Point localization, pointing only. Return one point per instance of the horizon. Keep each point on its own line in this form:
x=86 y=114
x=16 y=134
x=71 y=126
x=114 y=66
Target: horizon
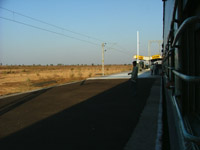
x=36 y=65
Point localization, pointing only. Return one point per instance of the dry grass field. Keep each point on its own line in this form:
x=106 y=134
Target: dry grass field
x=17 y=79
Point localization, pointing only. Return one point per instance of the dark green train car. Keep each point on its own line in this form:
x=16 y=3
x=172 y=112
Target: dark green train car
x=181 y=72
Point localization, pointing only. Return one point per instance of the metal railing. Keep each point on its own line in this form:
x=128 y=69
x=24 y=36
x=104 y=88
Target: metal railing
x=186 y=77
x=170 y=68
x=168 y=53
x=189 y=21
x=186 y=135
x=184 y=25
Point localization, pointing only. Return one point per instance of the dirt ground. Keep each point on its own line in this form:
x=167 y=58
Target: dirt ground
x=17 y=79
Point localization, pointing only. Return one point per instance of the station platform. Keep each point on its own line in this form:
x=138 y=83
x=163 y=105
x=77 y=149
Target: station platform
x=97 y=114
x=148 y=132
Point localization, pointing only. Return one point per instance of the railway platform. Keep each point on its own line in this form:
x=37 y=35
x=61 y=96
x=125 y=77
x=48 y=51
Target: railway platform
x=148 y=132
x=93 y=114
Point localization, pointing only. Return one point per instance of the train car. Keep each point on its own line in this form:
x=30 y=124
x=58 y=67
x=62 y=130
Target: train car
x=181 y=72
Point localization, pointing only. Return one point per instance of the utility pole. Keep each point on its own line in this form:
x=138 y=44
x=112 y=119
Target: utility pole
x=103 y=45
x=138 y=47
x=149 y=52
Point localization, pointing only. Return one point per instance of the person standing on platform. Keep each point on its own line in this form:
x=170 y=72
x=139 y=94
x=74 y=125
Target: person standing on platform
x=134 y=77
x=151 y=68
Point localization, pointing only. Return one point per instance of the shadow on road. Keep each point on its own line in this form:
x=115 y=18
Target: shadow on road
x=4 y=108
x=103 y=122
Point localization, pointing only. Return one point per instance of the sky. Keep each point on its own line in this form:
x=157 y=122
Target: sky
x=72 y=31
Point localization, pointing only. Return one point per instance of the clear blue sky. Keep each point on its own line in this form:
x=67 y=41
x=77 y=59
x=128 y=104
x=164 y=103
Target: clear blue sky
x=112 y=21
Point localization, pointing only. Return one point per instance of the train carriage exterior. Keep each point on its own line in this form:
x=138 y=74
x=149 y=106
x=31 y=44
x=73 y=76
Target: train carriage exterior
x=181 y=72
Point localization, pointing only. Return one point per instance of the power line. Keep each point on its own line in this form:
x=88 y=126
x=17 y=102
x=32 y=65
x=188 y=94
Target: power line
x=47 y=30
x=38 y=20
x=118 y=50
x=123 y=48
x=36 y=27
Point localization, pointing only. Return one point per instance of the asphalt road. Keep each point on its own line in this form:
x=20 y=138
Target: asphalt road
x=92 y=115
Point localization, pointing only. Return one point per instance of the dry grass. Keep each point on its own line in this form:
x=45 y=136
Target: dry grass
x=16 y=79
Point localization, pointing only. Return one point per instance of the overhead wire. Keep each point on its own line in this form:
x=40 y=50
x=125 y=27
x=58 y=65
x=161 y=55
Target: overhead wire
x=122 y=48
x=38 y=20
x=36 y=27
x=118 y=50
x=47 y=30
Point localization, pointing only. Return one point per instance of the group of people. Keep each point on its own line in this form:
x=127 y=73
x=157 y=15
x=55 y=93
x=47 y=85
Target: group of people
x=134 y=75
x=154 y=69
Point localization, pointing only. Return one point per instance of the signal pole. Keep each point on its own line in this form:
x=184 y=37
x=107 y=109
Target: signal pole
x=103 y=45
